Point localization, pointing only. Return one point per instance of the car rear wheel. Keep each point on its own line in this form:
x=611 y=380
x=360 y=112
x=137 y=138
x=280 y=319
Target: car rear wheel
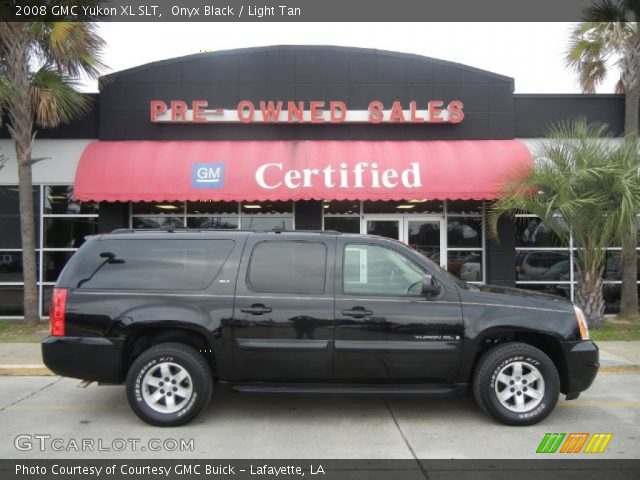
x=516 y=383
x=169 y=384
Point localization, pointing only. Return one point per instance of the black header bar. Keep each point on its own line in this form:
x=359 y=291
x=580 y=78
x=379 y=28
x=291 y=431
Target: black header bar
x=315 y=469
x=298 y=11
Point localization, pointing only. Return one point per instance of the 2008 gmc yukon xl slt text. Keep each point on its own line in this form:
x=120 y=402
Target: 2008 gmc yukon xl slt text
x=170 y=313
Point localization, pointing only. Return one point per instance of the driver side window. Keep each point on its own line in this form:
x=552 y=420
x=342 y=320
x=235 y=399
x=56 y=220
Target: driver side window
x=372 y=269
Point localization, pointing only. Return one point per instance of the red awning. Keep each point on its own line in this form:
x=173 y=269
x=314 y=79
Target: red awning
x=297 y=170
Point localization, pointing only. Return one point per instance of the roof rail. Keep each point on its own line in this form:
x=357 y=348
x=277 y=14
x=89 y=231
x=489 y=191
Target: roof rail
x=205 y=230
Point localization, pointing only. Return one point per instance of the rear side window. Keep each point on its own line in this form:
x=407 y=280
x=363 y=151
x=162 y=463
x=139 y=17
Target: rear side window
x=288 y=267
x=152 y=264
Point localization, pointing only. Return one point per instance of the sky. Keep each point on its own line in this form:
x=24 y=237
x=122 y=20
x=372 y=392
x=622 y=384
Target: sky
x=531 y=53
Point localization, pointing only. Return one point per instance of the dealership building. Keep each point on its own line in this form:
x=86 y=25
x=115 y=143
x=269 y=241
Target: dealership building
x=302 y=138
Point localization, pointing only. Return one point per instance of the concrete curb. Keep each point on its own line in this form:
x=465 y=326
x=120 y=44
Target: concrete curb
x=616 y=369
x=25 y=370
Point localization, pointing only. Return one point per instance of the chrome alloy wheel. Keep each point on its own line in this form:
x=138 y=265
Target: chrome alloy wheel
x=519 y=387
x=167 y=387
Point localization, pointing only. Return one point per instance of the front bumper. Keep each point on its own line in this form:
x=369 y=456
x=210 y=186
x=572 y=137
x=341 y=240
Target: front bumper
x=88 y=358
x=582 y=362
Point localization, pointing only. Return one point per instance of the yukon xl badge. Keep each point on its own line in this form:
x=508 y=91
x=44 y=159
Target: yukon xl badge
x=437 y=337
x=207 y=175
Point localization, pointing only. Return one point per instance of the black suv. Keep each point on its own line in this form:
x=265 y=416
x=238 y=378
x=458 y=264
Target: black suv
x=171 y=313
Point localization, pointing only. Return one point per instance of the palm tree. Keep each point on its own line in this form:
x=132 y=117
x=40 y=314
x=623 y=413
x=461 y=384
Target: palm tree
x=582 y=186
x=40 y=63
x=610 y=34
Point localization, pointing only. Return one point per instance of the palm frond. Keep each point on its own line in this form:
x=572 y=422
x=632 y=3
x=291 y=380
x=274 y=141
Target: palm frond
x=73 y=48
x=591 y=45
x=606 y=11
x=54 y=98
x=633 y=9
x=5 y=90
x=581 y=179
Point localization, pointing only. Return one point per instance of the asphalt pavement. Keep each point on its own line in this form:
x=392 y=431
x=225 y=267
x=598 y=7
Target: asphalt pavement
x=51 y=412
x=45 y=416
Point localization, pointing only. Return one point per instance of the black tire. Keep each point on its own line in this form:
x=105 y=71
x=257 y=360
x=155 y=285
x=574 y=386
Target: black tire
x=175 y=358
x=487 y=387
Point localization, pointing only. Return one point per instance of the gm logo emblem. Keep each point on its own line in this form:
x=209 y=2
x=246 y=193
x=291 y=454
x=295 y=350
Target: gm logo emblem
x=207 y=175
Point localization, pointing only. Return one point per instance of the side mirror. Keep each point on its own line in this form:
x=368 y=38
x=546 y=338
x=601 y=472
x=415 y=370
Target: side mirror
x=430 y=287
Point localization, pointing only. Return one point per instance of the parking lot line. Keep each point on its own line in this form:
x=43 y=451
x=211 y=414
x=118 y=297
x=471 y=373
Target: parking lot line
x=600 y=404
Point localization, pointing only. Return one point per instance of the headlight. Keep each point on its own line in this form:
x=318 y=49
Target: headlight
x=582 y=323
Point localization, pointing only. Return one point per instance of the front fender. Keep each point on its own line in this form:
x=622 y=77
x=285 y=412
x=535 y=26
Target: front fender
x=489 y=316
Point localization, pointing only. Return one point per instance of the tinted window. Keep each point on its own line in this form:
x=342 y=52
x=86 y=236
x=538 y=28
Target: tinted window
x=543 y=266
x=10 y=216
x=342 y=224
x=531 y=232
x=152 y=264
x=379 y=270
x=69 y=232
x=288 y=267
x=59 y=199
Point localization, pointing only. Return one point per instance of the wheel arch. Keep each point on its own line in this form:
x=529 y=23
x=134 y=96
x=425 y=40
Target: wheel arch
x=548 y=344
x=146 y=337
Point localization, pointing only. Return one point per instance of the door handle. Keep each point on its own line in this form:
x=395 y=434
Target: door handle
x=256 y=309
x=357 y=312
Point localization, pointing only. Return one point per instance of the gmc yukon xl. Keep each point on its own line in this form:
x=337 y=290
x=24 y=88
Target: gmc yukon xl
x=171 y=313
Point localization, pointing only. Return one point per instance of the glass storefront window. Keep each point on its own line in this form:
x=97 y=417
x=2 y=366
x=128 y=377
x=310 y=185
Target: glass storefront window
x=560 y=290
x=464 y=232
x=531 y=232
x=53 y=264
x=464 y=207
x=267 y=215
x=267 y=222
x=156 y=222
x=403 y=207
x=265 y=208
x=58 y=199
x=47 y=292
x=613 y=269
x=543 y=266
x=466 y=265
x=66 y=222
x=424 y=236
x=157 y=208
x=612 y=293
x=11 y=301
x=11 y=266
x=384 y=228
x=342 y=207
x=223 y=222
x=342 y=224
x=210 y=207
x=10 y=216
x=68 y=232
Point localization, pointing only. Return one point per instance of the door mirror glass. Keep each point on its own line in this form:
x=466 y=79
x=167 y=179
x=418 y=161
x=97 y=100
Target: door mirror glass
x=430 y=287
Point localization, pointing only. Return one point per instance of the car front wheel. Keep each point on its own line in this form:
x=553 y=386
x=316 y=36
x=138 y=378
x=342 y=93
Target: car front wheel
x=169 y=384
x=516 y=383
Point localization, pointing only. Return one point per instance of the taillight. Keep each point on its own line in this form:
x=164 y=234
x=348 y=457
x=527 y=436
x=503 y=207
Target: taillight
x=56 y=311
